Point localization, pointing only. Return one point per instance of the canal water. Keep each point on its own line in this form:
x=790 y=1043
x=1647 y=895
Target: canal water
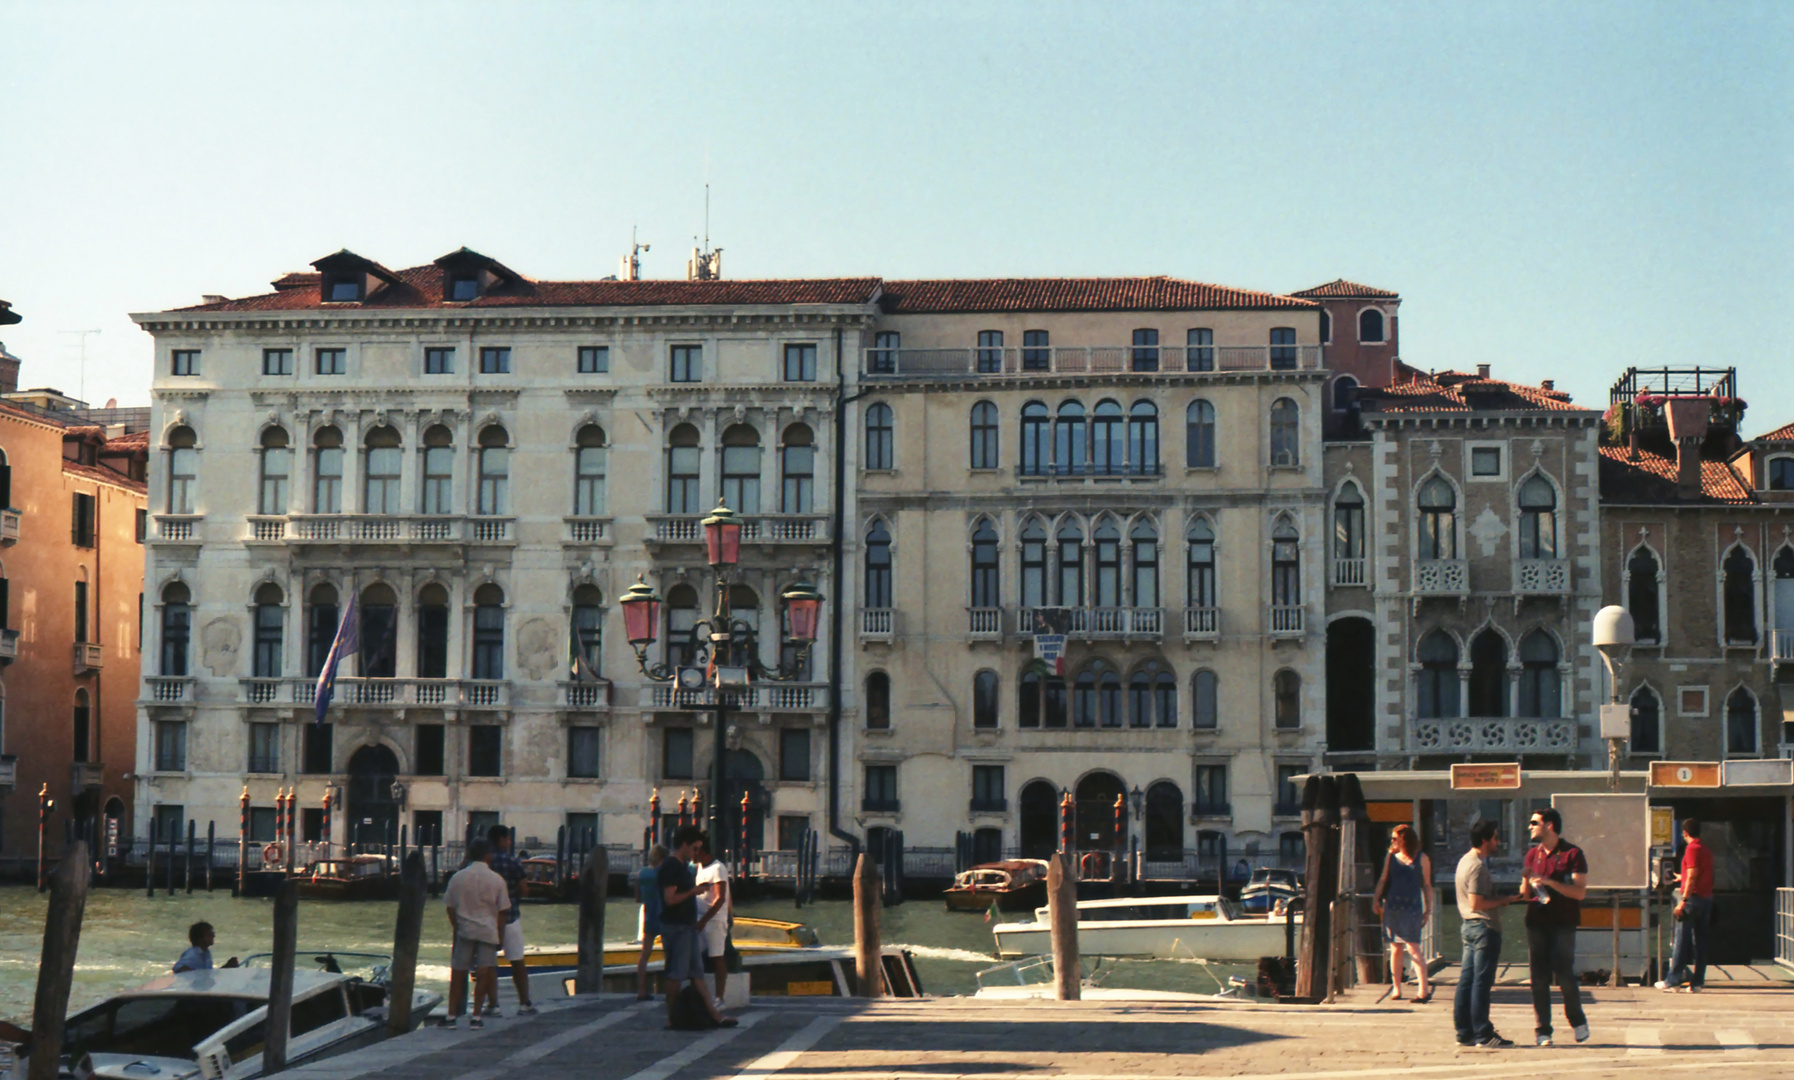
x=127 y=939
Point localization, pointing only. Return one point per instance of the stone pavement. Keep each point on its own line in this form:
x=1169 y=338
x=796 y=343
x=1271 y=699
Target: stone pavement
x=1744 y=1033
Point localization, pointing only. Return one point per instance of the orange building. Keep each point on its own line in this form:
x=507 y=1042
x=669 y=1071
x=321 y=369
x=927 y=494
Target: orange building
x=72 y=505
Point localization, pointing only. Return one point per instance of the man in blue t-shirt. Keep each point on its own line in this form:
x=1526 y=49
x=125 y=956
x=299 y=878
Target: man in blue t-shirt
x=198 y=956
x=647 y=893
x=679 y=924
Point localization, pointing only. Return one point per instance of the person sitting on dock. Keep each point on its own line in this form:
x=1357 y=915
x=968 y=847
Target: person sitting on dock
x=198 y=956
x=647 y=893
x=683 y=953
x=506 y=865
x=476 y=899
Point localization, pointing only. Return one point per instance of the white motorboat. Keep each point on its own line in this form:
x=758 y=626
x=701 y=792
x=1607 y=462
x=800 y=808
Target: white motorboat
x=211 y=1025
x=1204 y=927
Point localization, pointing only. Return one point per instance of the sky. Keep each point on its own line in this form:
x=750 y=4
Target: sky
x=1559 y=191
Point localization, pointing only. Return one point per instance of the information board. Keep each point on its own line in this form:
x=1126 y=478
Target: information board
x=1504 y=775
x=1614 y=833
x=1684 y=774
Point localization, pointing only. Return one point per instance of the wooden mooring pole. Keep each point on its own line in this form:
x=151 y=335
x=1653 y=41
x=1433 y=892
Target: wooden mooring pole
x=594 y=884
x=56 y=969
x=868 y=956
x=280 y=978
x=1062 y=917
x=402 y=976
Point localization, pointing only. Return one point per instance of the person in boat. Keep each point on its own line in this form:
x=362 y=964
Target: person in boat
x=198 y=956
x=1404 y=901
x=506 y=865
x=647 y=894
x=476 y=899
x=680 y=946
x=714 y=913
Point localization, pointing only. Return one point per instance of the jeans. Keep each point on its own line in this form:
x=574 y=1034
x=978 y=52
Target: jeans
x=1552 y=953
x=1476 y=980
x=1691 y=942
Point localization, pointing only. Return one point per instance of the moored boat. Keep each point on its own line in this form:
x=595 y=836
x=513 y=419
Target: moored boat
x=351 y=877
x=806 y=972
x=1013 y=885
x=1268 y=886
x=1207 y=927
x=752 y=937
x=542 y=880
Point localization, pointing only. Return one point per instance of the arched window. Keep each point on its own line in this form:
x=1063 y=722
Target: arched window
x=1740 y=723
x=1286 y=693
x=1037 y=451
x=1164 y=697
x=878 y=566
x=1068 y=440
x=1027 y=700
x=588 y=641
x=439 y=471
x=1200 y=583
x=1285 y=433
x=1144 y=592
x=1143 y=439
x=984 y=436
x=1343 y=388
x=1438 y=519
x=1055 y=702
x=1370 y=326
x=1540 y=682
x=83 y=724
x=984 y=699
x=1348 y=525
x=1096 y=697
x=1538 y=519
x=985 y=574
x=177 y=629
x=880 y=437
x=682 y=470
x=682 y=619
x=183 y=470
x=270 y=625
x=1199 y=435
x=1205 y=700
x=1438 y=692
x=1034 y=564
x=1152 y=696
x=1642 y=596
x=1647 y=722
x=488 y=632
x=379 y=630
x=1107 y=591
x=588 y=472
x=878 y=701
x=1488 y=674
x=741 y=469
x=1283 y=348
x=495 y=472
x=1164 y=822
x=744 y=606
x=1139 y=699
x=380 y=488
x=1107 y=451
x=321 y=621
x=1740 y=597
x=276 y=468
x=1286 y=575
x=797 y=466
x=1071 y=565
x=432 y=632
x=1782 y=598
x=327 y=471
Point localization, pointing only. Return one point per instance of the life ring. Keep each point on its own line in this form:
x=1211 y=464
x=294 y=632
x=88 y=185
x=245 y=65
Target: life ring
x=273 y=854
x=1092 y=864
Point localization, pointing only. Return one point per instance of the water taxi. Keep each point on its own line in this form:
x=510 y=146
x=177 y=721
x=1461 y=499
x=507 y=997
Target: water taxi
x=1205 y=927
x=1013 y=885
x=351 y=877
x=752 y=937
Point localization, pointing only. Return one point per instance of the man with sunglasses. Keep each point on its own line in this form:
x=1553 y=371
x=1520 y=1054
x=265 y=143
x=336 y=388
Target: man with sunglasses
x=1555 y=881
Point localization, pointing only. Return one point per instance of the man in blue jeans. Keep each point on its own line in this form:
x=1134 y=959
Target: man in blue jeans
x=1694 y=911
x=1481 y=912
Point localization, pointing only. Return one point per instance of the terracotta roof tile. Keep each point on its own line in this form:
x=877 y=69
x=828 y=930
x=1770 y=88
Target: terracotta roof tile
x=136 y=440
x=104 y=476
x=1341 y=289
x=1453 y=391
x=1785 y=433
x=941 y=295
x=1649 y=478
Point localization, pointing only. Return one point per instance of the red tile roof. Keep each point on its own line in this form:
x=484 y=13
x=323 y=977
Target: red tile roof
x=943 y=295
x=1785 y=433
x=136 y=440
x=1650 y=478
x=105 y=476
x=1341 y=289
x=1456 y=392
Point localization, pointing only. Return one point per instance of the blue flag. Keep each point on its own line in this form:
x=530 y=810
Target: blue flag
x=348 y=640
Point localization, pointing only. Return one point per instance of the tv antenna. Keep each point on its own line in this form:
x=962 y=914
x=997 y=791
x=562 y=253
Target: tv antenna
x=705 y=264
x=631 y=270
x=81 y=383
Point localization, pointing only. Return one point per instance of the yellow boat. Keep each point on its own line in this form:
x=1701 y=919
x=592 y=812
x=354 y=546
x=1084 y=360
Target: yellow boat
x=753 y=937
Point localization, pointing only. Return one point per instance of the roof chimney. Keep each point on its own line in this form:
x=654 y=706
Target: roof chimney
x=1688 y=427
x=1482 y=371
x=1547 y=384
x=212 y=298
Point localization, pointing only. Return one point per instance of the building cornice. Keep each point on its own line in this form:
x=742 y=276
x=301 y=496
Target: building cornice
x=402 y=320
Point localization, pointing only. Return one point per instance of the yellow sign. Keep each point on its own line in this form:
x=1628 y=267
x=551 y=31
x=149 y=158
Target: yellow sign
x=1663 y=826
x=1476 y=777
x=1684 y=774
x=819 y=988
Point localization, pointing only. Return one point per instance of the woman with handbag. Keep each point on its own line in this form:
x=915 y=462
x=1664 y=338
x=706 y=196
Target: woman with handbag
x=1403 y=901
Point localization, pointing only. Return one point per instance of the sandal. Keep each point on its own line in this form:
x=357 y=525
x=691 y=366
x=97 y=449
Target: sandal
x=1424 y=998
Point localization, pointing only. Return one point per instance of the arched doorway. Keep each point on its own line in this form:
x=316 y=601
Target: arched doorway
x=1096 y=825
x=1039 y=820
x=1351 y=685
x=372 y=813
x=743 y=773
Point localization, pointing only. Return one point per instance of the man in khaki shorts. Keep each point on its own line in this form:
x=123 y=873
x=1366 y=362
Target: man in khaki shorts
x=714 y=912
x=476 y=899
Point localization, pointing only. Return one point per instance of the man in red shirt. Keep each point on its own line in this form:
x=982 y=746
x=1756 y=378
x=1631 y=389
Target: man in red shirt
x=1694 y=912
x=1556 y=882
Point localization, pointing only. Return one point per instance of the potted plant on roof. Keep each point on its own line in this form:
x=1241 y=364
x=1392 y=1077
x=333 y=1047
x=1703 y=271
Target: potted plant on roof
x=1727 y=412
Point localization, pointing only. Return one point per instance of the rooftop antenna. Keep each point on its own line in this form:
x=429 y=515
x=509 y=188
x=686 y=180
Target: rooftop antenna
x=631 y=270
x=705 y=264
x=81 y=379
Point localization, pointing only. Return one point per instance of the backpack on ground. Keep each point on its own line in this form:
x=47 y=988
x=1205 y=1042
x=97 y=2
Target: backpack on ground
x=689 y=1013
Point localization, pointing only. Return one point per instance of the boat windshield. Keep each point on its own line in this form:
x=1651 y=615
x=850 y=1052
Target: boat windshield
x=371 y=967
x=153 y=1025
x=1181 y=909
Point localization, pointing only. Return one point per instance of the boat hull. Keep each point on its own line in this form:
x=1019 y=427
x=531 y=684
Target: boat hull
x=1242 y=941
x=1026 y=898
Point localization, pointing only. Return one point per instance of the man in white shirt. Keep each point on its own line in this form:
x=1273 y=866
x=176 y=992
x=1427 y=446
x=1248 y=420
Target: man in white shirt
x=477 y=899
x=714 y=910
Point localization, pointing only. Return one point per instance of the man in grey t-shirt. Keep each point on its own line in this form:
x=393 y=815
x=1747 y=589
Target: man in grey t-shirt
x=1481 y=910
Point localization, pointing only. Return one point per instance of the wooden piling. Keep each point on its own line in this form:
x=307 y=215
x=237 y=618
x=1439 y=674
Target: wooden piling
x=1062 y=917
x=280 y=978
x=174 y=845
x=868 y=956
x=56 y=968
x=187 y=863
x=594 y=883
x=237 y=887
x=44 y=803
x=211 y=849
x=402 y=975
x=149 y=869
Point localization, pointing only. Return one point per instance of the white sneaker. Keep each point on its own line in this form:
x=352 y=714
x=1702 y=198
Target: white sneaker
x=1661 y=985
x=719 y=1004
x=1545 y=1040
x=1581 y=1031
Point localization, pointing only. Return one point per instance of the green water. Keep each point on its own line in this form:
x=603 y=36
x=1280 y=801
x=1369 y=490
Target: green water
x=127 y=939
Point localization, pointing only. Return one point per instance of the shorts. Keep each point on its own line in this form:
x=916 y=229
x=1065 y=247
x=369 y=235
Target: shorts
x=683 y=951
x=513 y=941
x=646 y=929
x=470 y=955
x=716 y=932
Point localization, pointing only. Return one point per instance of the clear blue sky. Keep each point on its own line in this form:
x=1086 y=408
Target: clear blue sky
x=1557 y=190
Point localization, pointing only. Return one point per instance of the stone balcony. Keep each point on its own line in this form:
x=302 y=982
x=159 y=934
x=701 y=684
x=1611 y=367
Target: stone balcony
x=168 y=689
x=88 y=656
x=755 y=697
x=9 y=773
x=586 y=696
x=1100 y=623
x=587 y=530
x=755 y=528
x=1350 y=573
x=9 y=646
x=86 y=776
x=1286 y=621
x=973 y=362
x=9 y=525
x=1202 y=624
x=1542 y=577
x=358 y=693
x=877 y=624
x=1499 y=735
x=984 y=624
x=1442 y=577
x=179 y=528
x=396 y=529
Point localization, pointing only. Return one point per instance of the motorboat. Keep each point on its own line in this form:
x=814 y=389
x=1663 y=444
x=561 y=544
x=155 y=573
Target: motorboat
x=350 y=877
x=1268 y=886
x=752 y=937
x=542 y=880
x=1034 y=979
x=212 y=1025
x=1200 y=927
x=1013 y=885
x=808 y=972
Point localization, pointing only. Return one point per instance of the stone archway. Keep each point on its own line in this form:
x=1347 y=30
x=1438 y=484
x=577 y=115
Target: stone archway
x=1096 y=824
x=1039 y=820
x=1351 y=685
x=372 y=814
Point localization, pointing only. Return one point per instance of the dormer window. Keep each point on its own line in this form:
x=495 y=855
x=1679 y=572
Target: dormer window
x=343 y=290
x=1781 y=474
x=464 y=287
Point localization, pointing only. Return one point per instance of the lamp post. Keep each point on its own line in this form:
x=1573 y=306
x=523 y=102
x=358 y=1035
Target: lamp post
x=1612 y=634
x=722 y=654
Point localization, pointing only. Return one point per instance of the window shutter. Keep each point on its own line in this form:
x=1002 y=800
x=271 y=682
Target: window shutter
x=6 y=485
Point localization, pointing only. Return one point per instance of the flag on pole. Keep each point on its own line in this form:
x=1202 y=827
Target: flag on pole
x=991 y=911
x=348 y=640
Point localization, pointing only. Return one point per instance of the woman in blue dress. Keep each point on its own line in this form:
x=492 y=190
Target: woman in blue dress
x=1404 y=901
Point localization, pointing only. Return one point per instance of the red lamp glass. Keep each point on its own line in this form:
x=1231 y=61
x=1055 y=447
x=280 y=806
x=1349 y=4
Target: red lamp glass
x=722 y=536
x=803 y=606
x=641 y=613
